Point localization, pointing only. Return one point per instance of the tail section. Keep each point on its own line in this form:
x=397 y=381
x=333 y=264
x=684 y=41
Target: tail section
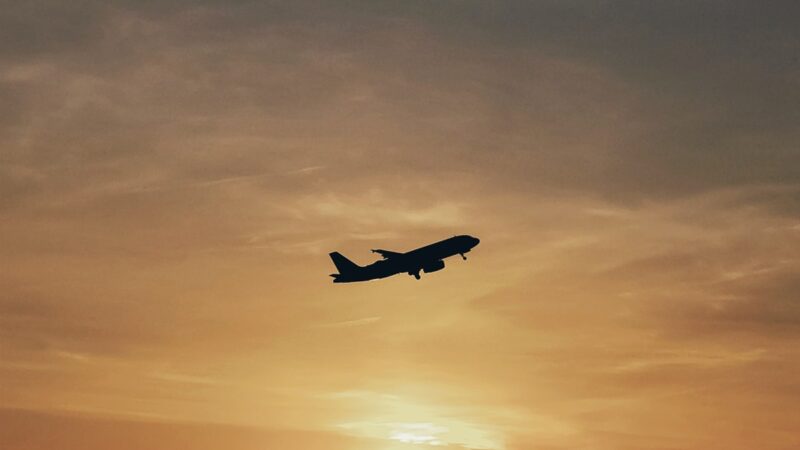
x=343 y=265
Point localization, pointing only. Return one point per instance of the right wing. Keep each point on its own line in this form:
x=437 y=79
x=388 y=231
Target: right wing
x=387 y=254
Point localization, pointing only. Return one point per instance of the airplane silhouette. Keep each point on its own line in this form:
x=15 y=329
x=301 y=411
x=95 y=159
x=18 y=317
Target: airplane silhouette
x=427 y=259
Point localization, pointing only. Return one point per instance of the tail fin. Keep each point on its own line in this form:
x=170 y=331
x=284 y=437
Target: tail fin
x=343 y=265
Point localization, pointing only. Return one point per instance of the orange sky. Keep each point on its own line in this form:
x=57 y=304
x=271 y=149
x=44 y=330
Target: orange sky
x=173 y=176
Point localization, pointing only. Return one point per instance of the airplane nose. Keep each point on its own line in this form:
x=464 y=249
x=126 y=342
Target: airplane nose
x=475 y=241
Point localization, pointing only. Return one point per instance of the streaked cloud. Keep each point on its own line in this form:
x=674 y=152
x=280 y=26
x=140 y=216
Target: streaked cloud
x=173 y=175
x=351 y=323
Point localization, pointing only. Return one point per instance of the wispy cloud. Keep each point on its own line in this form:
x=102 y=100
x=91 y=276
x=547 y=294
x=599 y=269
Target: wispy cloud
x=378 y=208
x=184 y=378
x=692 y=359
x=173 y=176
x=350 y=323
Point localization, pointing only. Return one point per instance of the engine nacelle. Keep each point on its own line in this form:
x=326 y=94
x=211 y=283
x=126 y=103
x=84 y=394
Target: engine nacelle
x=433 y=267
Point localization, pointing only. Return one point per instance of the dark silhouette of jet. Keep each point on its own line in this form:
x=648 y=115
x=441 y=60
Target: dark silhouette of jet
x=427 y=259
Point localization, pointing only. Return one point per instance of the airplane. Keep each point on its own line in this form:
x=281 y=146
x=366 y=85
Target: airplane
x=426 y=259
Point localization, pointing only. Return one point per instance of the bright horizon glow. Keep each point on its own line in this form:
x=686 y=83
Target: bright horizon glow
x=408 y=421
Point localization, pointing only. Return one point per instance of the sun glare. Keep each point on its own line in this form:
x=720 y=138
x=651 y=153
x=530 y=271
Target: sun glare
x=418 y=433
x=403 y=421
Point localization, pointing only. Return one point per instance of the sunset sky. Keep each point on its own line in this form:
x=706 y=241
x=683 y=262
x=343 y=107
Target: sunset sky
x=173 y=175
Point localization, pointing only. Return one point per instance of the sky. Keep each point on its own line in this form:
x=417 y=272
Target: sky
x=173 y=175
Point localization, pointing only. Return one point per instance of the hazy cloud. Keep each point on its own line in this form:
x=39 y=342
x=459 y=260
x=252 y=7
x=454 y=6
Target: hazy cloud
x=173 y=173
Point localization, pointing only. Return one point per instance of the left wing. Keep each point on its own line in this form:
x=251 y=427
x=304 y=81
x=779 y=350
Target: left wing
x=386 y=253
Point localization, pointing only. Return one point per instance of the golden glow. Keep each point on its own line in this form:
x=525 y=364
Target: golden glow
x=173 y=175
x=403 y=420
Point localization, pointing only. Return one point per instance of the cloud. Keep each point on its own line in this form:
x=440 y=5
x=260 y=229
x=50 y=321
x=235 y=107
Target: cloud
x=692 y=359
x=351 y=323
x=86 y=431
x=173 y=174
x=379 y=207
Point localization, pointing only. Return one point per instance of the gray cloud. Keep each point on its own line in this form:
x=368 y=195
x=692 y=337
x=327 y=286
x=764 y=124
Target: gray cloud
x=621 y=99
x=173 y=173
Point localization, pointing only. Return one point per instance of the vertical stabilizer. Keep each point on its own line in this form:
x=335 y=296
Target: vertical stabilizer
x=343 y=265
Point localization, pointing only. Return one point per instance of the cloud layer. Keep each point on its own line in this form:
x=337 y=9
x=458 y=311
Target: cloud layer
x=173 y=174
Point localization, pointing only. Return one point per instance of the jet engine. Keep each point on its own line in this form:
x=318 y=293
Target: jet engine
x=433 y=267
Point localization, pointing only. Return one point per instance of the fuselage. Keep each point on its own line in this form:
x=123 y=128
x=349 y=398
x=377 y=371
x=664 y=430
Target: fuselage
x=428 y=259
